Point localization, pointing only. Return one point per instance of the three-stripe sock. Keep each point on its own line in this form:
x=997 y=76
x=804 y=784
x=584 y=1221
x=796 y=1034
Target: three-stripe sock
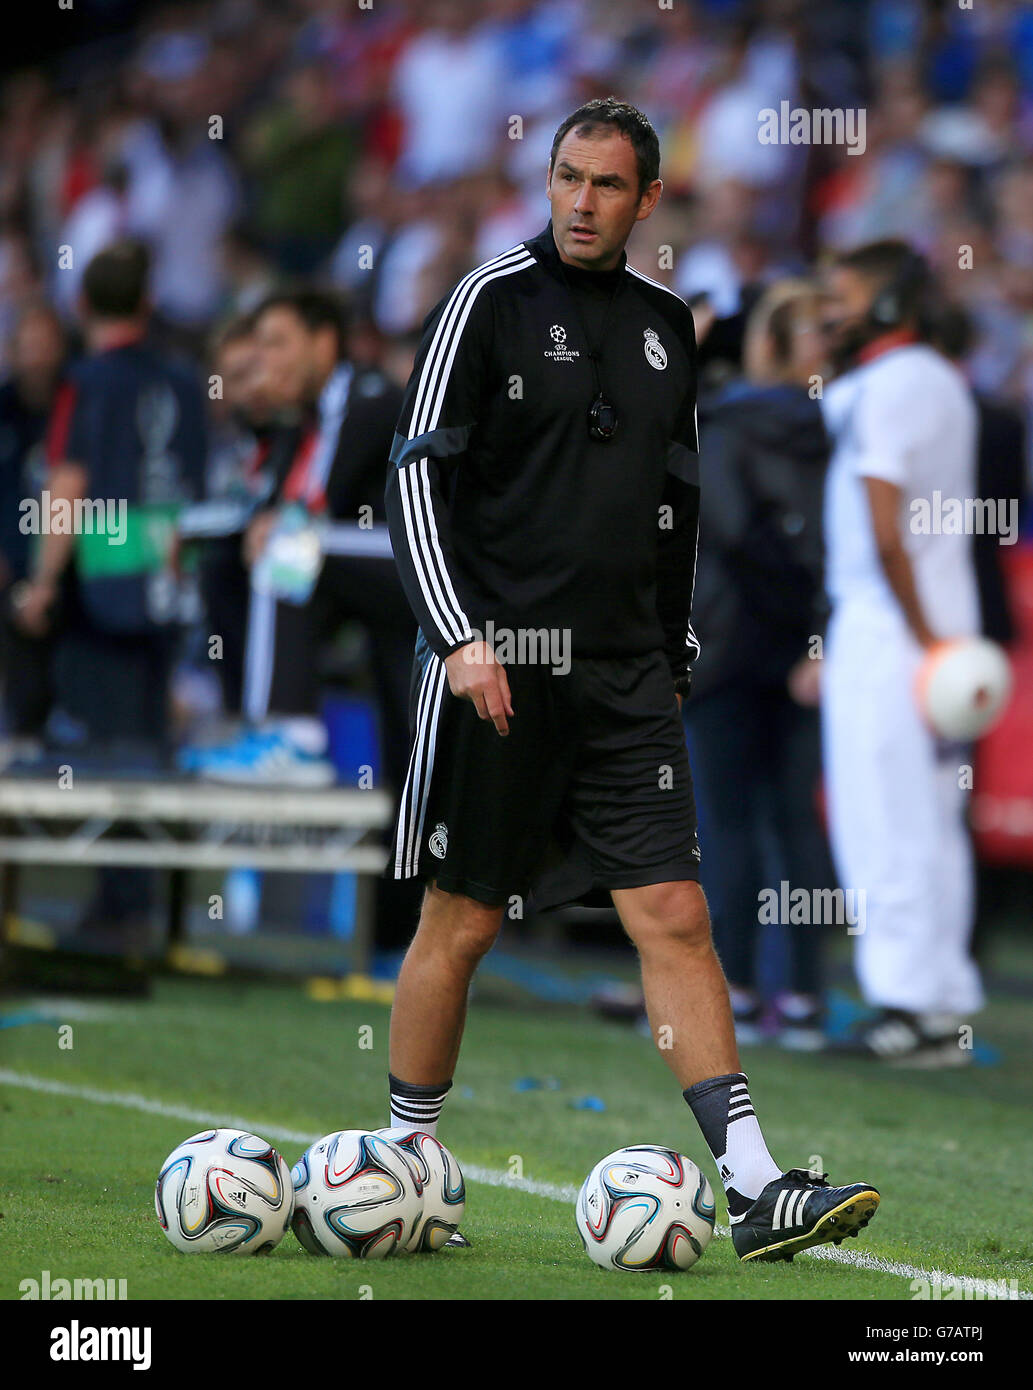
x=416 y=1107
x=725 y=1114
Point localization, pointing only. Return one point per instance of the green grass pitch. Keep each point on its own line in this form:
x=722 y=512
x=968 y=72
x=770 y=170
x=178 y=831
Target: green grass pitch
x=950 y=1151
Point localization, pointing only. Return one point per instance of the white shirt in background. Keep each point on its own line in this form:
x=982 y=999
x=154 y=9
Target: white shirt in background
x=907 y=417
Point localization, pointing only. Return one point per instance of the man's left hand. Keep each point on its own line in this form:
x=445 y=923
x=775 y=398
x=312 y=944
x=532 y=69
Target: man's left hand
x=31 y=602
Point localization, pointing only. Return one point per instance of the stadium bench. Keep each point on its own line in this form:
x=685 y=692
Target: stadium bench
x=182 y=825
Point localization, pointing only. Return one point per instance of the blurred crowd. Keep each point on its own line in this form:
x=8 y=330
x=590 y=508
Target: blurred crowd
x=367 y=156
x=387 y=148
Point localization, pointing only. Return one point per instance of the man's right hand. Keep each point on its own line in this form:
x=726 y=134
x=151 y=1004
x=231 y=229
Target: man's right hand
x=474 y=674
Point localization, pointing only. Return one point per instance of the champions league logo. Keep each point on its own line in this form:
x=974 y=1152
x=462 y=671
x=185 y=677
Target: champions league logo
x=654 y=349
x=560 y=353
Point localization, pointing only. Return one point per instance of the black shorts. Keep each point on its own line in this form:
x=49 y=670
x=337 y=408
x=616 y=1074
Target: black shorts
x=590 y=791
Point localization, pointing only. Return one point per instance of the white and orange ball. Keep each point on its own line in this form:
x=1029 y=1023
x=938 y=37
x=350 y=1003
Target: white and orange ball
x=962 y=686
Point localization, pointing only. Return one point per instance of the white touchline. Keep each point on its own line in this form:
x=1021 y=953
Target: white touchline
x=489 y=1177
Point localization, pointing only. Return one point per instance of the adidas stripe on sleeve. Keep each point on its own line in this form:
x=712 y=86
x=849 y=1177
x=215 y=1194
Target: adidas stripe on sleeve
x=679 y=533
x=441 y=407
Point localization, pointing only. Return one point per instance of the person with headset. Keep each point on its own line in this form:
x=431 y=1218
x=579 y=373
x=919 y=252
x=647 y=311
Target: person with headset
x=903 y=425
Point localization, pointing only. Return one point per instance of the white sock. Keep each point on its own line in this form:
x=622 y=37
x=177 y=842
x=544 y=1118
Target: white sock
x=425 y=1126
x=748 y=1164
x=416 y=1107
x=724 y=1112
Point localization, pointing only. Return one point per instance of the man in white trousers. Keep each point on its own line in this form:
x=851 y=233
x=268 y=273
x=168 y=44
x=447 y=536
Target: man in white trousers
x=903 y=426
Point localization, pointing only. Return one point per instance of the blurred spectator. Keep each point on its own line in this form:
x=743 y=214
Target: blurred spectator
x=248 y=272
x=36 y=358
x=752 y=718
x=97 y=218
x=904 y=428
x=26 y=400
x=985 y=132
x=534 y=41
x=417 y=258
x=356 y=262
x=759 y=70
x=251 y=450
x=182 y=189
x=126 y=446
x=19 y=286
x=335 y=475
x=320 y=557
x=450 y=83
x=300 y=158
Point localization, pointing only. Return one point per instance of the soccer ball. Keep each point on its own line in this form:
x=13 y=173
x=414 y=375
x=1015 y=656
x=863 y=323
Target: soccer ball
x=441 y=1181
x=963 y=686
x=355 y=1196
x=645 y=1208
x=224 y=1189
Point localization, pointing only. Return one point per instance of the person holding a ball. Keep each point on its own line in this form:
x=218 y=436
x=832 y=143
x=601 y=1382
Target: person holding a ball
x=903 y=426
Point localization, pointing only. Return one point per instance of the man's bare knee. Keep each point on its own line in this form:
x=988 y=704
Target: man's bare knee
x=665 y=914
x=463 y=927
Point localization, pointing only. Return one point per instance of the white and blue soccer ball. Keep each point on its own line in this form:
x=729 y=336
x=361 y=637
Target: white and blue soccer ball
x=355 y=1196
x=441 y=1181
x=224 y=1190
x=645 y=1208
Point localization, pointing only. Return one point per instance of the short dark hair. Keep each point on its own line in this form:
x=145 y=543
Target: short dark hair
x=601 y=112
x=954 y=332
x=114 y=283
x=236 y=329
x=898 y=272
x=315 y=308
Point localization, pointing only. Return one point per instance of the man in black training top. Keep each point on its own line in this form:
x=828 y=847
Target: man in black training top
x=543 y=504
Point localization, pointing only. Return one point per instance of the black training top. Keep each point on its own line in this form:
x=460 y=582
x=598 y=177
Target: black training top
x=501 y=504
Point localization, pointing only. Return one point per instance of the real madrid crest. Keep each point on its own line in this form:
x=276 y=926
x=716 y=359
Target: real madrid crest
x=656 y=356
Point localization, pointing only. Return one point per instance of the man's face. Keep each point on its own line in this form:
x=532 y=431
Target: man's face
x=38 y=346
x=243 y=381
x=593 y=189
x=848 y=300
x=292 y=357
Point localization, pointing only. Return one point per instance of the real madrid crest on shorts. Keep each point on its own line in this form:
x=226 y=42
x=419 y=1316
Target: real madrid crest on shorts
x=656 y=356
x=438 y=842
